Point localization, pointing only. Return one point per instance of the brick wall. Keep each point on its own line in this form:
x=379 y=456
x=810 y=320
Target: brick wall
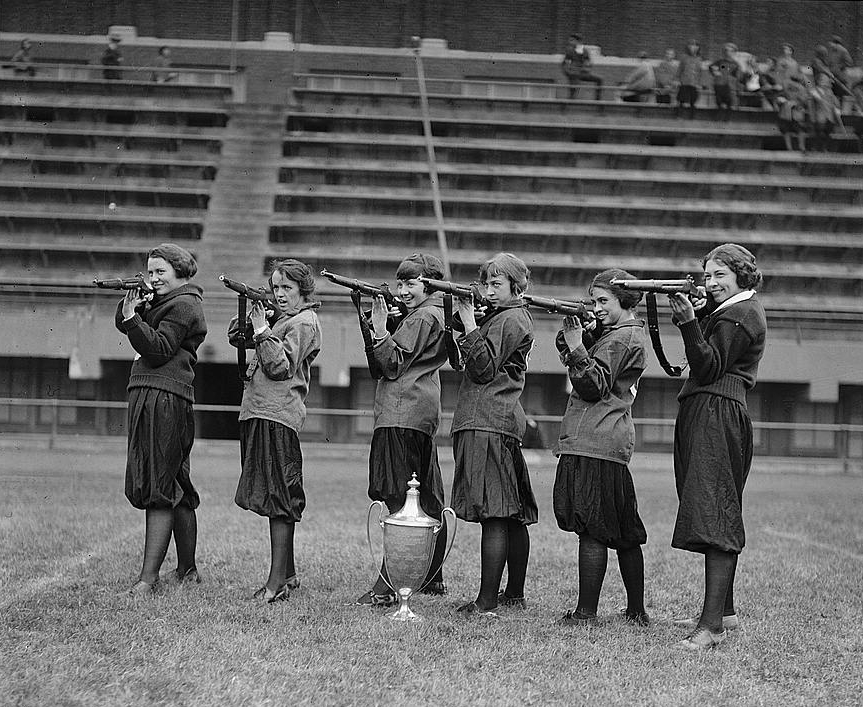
x=621 y=27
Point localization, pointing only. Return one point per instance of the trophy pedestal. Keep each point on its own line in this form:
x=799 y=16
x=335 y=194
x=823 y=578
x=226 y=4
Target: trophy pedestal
x=404 y=613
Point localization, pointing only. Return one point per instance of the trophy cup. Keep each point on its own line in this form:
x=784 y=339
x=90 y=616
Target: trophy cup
x=409 y=543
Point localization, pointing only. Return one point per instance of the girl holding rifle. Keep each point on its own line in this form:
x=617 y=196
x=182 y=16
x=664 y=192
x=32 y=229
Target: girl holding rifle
x=165 y=329
x=491 y=485
x=272 y=414
x=593 y=491
x=407 y=408
x=713 y=432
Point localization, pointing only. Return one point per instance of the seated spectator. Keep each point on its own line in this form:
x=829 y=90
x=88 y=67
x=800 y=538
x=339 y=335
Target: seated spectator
x=689 y=77
x=22 y=62
x=163 y=74
x=750 y=84
x=839 y=61
x=112 y=57
x=794 y=110
x=666 y=77
x=826 y=114
x=725 y=72
x=576 y=66
x=786 y=65
x=771 y=86
x=820 y=65
x=641 y=82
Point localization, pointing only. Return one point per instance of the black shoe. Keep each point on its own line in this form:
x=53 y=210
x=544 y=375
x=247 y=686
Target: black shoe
x=638 y=618
x=577 y=618
x=472 y=609
x=435 y=589
x=515 y=602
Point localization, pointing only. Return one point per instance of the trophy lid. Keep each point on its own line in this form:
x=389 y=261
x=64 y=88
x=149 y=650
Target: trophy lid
x=411 y=514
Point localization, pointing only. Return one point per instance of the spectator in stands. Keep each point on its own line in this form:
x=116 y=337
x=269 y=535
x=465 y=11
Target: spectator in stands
x=272 y=414
x=713 y=431
x=826 y=114
x=839 y=60
x=666 y=77
x=786 y=66
x=750 y=84
x=794 y=109
x=165 y=329
x=820 y=64
x=163 y=72
x=491 y=483
x=689 y=77
x=112 y=57
x=22 y=61
x=725 y=73
x=594 y=495
x=406 y=365
x=577 y=65
x=640 y=84
x=771 y=87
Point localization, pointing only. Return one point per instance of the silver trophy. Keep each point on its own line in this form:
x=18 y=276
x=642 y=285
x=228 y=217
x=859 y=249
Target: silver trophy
x=409 y=543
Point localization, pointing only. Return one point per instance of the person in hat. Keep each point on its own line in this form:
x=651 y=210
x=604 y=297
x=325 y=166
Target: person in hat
x=577 y=65
x=689 y=77
x=112 y=57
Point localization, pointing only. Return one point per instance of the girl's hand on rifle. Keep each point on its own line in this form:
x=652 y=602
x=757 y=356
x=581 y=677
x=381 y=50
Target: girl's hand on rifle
x=258 y=316
x=682 y=309
x=380 y=312
x=700 y=302
x=131 y=302
x=464 y=306
x=572 y=332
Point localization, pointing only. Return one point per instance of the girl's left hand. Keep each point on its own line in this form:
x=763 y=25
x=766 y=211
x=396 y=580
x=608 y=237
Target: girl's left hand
x=682 y=310
x=572 y=332
x=131 y=302
x=380 y=313
x=258 y=315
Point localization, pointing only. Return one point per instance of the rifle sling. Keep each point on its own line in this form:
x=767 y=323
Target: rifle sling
x=653 y=330
x=241 y=335
x=452 y=352
x=368 y=338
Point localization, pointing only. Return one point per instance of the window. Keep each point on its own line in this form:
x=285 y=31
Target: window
x=656 y=400
x=805 y=412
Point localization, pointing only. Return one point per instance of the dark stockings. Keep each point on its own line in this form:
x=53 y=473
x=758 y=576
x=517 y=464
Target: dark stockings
x=281 y=553
x=185 y=538
x=505 y=542
x=592 y=563
x=160 y=522
x=631 y=563
x=719 y=570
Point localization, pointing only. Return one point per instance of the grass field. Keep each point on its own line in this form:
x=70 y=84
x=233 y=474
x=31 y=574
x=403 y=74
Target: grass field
x=70 y=545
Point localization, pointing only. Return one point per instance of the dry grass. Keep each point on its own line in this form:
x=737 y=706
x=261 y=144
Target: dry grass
x=71 y=545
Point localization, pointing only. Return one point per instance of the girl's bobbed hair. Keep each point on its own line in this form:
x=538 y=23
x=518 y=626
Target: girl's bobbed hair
x=180 y=259
x=740 y=261
x=420 y=265
x=511 y=267
x=628 y=298
x=295 y=270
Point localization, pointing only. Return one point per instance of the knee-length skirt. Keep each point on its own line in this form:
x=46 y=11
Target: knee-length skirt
x=271 y=481
x=712 y=457
x=396 y=454
x=161 y=431
x=596 y=497
x=491 y=478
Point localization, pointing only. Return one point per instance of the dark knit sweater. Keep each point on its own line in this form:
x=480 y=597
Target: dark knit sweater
x=724 y=349
x=166 y=334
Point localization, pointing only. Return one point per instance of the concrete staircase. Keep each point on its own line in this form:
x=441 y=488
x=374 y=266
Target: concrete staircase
x=237 y=223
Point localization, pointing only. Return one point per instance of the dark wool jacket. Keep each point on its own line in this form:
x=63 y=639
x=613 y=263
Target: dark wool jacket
x=723 y=350
x=495 y=363
x=166 y=334
x=408 y=393
x=280 y=371
x=598 y=418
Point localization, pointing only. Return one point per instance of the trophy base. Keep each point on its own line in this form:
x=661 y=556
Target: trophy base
x=404 y=613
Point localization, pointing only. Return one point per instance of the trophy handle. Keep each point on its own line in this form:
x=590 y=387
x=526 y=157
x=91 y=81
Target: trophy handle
x=380 y=506
x=450 y=538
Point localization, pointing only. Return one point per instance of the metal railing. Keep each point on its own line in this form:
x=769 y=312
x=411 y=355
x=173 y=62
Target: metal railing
x=846 y=447
x=235 y=79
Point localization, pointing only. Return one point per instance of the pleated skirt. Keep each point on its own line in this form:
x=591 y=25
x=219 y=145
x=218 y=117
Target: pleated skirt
x=596 y=497
x=491 y=478
x=712 y=458
x=395 y=455
x=161 y=431
x=271 y=480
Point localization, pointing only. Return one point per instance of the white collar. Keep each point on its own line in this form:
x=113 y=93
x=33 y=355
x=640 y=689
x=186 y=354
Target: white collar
x=739 y=297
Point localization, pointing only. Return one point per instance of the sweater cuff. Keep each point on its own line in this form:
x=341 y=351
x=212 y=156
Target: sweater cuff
x=691 y=333
x=260 y=336
x=133 y=323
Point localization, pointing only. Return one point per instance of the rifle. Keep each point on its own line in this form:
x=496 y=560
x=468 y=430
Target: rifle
x=651 y=287
x=128 y=283
x=245 y=292
x=686 y=285
x=471 y=291
x=564 y=307
x=367 y=288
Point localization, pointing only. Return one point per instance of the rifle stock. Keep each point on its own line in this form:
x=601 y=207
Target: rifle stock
x=257 y=294
x=471 y=291
x=685 y=285
x=364 y=288
x=125 y=283
x=557 y=306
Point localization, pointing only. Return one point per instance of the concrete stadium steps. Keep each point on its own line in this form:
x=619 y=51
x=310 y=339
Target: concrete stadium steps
x=569 y=154
x=237 y=222
x=96 y=88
